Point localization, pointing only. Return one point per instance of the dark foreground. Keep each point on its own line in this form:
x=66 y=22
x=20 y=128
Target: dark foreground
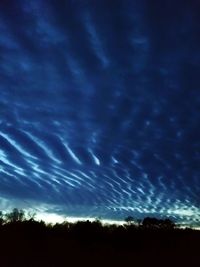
x=31 y=243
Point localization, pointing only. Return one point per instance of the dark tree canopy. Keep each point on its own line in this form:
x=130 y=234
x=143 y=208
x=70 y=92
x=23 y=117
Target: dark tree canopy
x=15 y=215
x=149 y=222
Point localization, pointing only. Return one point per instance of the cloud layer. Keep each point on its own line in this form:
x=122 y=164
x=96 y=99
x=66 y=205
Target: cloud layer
x=99 y=107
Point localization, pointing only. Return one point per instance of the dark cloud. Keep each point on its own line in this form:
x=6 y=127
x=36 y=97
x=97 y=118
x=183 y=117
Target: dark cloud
x=99 y=107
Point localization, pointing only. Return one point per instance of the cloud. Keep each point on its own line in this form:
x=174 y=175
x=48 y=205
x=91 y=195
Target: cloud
x=99 y=107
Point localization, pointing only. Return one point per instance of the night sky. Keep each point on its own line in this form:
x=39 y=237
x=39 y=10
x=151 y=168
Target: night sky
x=100 y=108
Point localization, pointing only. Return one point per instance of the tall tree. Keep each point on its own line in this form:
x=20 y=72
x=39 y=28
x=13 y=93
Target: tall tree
x=15 y=215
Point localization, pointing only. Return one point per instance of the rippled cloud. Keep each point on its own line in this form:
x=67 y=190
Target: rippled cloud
x=99 y=108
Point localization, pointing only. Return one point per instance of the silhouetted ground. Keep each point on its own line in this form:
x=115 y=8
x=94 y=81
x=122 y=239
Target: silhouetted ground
x=31 y=243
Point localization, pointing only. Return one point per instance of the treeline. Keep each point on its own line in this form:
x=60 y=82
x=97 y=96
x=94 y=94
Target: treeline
x=27 y=242
x=19 y=215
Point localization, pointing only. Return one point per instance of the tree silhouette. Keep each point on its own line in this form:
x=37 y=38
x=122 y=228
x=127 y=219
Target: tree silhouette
x=24 y=239
x=15 y=215
x=31 y=216
x=129 y=220
x=1 y=218
x=155 y=223
x=169 y=224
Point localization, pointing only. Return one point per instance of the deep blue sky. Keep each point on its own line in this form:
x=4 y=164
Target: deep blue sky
x=100 y=107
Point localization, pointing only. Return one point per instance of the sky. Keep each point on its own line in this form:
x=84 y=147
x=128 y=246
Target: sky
x=100 y=108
